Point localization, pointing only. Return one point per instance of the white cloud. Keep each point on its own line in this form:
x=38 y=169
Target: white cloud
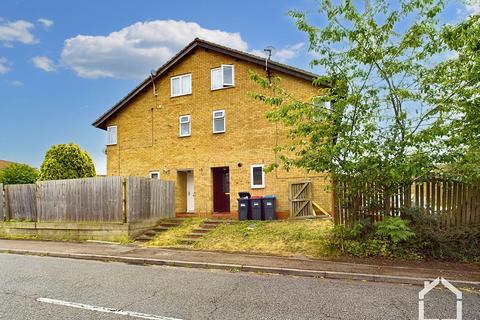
x=16 y=31
x=284 y=54
x=4 y=65
x=46 y=23
x=16 y=83
x=44 y=63
x=473 y=6
x=134 y=50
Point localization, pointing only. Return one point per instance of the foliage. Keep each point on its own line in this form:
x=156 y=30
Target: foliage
x=66 y=161
x=16 y=173
x=394 y=228
x=416 y=236
x=359 y=241
x=395 y=113
x=433 y=242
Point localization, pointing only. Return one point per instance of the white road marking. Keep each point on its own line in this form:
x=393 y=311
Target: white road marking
x=103 y=309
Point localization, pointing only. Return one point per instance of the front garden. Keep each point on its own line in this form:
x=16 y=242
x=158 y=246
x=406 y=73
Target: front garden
x=415 y=237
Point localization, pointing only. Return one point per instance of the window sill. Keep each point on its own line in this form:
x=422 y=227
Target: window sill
x=185 y=136
x=257 y=187
x=181 y=95
x=219 y=132
x=229 y=87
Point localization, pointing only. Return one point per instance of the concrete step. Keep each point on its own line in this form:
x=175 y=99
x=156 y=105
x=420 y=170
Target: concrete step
x=160 y=229
x=210 y=221
x=202 y=230
x=144 y=238
x=170 y=224
x=208 y=226
x=150 y=233
x=195 y=235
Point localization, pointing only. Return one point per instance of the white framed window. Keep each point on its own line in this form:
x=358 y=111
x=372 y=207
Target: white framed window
x=181 y=85
x=185 y=127
x=222 y=77
x=154 y=175
x=218 y=121
x=257 y=176
x=111 y=135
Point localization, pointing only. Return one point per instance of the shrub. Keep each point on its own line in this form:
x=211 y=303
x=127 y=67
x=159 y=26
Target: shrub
x=16 y=173
x=66 y=161
x=415 y=236
x=394 y=228
x=433 y=242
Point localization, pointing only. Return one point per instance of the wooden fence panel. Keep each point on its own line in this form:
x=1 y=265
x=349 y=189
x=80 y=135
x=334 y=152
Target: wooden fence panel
x=138 y=198
x=20 y=202
x=162 y=199
x=77 y=200
x=454 y=203
x=1 y=203
x=149 y=199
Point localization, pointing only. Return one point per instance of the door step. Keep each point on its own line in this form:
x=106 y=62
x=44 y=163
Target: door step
x=162 y=227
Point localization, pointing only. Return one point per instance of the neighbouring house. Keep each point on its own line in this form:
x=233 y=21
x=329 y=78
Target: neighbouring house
x=194 y=122
x=4 y=163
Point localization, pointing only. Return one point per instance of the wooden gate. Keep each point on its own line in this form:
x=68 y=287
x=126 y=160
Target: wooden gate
x=300 y=196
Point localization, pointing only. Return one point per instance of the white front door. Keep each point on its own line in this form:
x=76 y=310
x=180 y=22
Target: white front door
x=190 y=192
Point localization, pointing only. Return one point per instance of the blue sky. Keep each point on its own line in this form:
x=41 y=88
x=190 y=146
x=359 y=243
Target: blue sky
x=63 y=63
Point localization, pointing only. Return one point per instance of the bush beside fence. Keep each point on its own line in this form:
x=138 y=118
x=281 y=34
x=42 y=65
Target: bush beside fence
x=453 y=203
x=106 y=199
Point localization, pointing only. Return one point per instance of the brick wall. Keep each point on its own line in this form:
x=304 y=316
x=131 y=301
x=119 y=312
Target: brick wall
x=148 y=134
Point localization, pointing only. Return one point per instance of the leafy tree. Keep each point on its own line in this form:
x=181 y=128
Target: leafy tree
x=16 y=173
x=66 y=161
x=384 y=119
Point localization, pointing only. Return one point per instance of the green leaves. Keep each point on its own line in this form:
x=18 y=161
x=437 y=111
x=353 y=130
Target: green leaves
x=404 y=95
x=16 y=173
x=66 y=161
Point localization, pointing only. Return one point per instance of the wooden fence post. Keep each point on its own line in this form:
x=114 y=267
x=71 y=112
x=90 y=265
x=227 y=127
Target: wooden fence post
x=2 y=203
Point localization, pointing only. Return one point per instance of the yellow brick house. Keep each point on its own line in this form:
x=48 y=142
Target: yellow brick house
x=194 y=122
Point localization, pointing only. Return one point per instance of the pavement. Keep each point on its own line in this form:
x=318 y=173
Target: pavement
x=49 y=288
x=460 y=274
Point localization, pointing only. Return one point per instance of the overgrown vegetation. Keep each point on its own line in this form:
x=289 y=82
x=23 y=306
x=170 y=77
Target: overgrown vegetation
x=417 y=236
x=16 y=173
x=173 y=236
x=66 y=161
x=286 y=238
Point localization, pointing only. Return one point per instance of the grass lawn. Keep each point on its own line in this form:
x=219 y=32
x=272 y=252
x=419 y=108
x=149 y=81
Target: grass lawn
x=286 y=238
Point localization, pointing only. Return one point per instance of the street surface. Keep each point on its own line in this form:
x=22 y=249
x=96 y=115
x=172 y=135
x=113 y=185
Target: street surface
x=44 y=288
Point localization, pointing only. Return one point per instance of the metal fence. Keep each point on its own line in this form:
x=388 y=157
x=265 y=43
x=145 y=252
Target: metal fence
x=105 y=199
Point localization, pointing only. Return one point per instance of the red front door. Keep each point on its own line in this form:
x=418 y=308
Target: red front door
x=221 y=189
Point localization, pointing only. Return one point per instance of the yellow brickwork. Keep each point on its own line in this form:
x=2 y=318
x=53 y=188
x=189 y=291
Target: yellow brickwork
x=148 y=134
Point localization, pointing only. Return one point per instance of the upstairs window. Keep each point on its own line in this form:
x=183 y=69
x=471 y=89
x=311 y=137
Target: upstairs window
x=111 y=135
x=219 y=121
x=185 y=127
x=257 y=176
x=181 y=85
x=222 y=77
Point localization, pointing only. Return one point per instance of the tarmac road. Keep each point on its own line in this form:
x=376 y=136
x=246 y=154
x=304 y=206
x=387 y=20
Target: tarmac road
x=44 y=288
